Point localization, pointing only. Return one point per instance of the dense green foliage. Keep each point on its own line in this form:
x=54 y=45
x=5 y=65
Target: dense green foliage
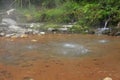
x=90 y=13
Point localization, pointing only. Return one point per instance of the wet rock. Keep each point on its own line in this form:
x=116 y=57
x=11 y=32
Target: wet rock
x=117 y=34
x=2 y=34
x=9 y=27
x=67 y=26
x=29 y=31
x=9 y=35
x=63 y=29
x=51 y=29
x=107 y=78
x=42 y=33
x=100 y=31
x=115 y=31
x=13 y=37
x=91 y=32
x=36 y=32
x=24 y=36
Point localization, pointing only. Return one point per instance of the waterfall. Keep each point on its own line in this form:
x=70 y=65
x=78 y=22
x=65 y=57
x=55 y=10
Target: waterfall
x=10 y=11
x=100 y=31
x=106 y=22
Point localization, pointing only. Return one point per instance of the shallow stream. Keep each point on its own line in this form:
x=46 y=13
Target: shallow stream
x=57 y=46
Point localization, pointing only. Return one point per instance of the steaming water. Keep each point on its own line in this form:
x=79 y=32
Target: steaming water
x=8 y=21
x=13 y=52
x=103 y=41
x=69 y=45
x=54 y=48
x=71 y=49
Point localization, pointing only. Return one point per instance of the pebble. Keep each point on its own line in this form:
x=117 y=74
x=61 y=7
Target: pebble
x=14 y=36
x=24 y=36
x=42 y=33
x=31 y=79
x=2 y=34
x=34 y=40
x=107 y=78
x=8 y=35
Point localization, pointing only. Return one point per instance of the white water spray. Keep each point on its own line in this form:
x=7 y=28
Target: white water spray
x=10 y=11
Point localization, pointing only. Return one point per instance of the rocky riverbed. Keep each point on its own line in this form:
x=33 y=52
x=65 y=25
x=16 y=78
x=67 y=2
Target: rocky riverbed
x=60 y=57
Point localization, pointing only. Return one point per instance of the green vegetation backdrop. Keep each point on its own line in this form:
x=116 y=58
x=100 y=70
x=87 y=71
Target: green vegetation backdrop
x=85 y=13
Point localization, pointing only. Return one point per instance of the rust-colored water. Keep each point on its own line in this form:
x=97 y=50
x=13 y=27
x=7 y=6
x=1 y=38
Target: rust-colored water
x=60 y=57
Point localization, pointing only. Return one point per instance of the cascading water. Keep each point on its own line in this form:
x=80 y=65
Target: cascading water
x=100 y=31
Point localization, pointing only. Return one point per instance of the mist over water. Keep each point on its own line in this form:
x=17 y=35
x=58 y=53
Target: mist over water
x=103 y=41
x=75 y=47
x=69 y=49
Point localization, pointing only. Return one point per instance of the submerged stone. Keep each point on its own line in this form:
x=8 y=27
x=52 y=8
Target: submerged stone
x=24 y=36
x=34 y=40
x=107 y=78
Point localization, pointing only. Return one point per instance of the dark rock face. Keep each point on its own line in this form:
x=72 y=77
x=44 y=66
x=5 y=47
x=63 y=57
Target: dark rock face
x=115 y=31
